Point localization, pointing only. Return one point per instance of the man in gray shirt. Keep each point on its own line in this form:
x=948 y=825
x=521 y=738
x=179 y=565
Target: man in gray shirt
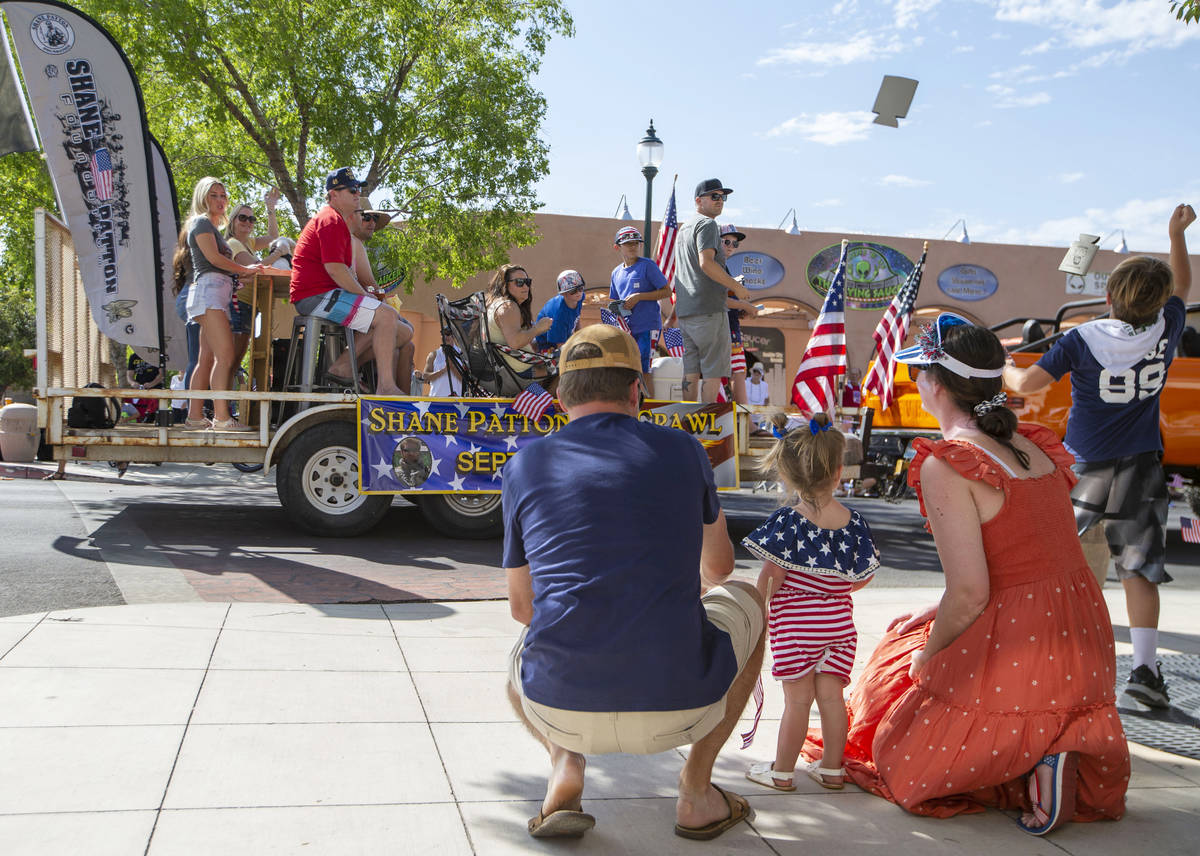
x=701 y=286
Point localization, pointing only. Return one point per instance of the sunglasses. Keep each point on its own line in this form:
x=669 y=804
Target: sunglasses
x=368 y=218
x=246 y=218
x=914 y=372
x=355 y=190
x=730 y=242
x=717 y=197
x=525 y=281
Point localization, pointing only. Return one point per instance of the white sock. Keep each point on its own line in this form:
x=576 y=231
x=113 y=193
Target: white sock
x=1145 y=646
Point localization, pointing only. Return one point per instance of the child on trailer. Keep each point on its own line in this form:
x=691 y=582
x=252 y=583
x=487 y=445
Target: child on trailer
x=815 y=553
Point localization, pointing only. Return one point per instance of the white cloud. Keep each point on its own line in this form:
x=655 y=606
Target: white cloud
x=902 y=181
x=1017 y=71
x=1138 y=25
x=860 y=47
x=908 y=10
x=1144 y=222
x=831 y=129
x=1007 y=97
x=1070 y=177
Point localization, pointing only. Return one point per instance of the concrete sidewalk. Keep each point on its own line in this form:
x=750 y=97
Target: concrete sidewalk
x=249 y=728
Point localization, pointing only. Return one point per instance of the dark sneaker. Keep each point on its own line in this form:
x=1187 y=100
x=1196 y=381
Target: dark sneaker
x=1147 y=687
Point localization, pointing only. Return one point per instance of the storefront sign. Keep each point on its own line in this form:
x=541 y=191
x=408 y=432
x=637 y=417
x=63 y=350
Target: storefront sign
x=1093 y=283
x=441 y=445
x=968 y=282
x=874 y=273
x=760 y=270
x=765 y=343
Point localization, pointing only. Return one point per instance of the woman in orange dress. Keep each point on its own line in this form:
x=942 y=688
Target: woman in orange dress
x=1002 y=694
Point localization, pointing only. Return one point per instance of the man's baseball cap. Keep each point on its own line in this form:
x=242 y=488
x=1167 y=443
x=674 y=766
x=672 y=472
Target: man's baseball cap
x=570 y=280
x=342 y=179
x=730 y=229
x=618 y=350
x=627 y=235
x=712 y=185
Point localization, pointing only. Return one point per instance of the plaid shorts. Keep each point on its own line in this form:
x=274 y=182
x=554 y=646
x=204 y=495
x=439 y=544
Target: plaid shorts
x=356 y=311
x=1130 y=496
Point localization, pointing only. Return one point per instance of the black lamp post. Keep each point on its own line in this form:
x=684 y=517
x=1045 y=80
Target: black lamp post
x=650 y=154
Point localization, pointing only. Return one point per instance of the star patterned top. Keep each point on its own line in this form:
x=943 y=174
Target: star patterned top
x=792 y=541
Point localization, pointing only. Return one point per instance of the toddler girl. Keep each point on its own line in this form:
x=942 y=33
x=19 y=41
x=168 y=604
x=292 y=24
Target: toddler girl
x=815 y=553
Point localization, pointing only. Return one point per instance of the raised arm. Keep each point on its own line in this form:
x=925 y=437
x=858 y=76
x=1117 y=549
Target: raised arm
x=1181 y=267
x=958 y=534
x=1028 y=379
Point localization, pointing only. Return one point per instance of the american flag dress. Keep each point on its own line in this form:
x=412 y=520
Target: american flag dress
x=811 y=617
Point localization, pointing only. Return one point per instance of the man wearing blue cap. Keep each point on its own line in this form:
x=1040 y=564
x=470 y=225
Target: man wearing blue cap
x=701 y=284
x=324 y=284
x=638 y=285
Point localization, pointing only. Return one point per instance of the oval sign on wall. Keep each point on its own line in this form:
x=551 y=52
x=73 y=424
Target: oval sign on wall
x=761 y=271
x=874 y=273
x=968 y=282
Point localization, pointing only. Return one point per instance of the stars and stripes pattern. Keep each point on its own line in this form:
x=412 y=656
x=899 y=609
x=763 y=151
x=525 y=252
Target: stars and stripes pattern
x=673 y=341
x=533 y=402
x=1190 y=529
x=824 y=359
x=102 y=176
x=664 y=252
x=758 y=695
x=890 y=335
x=607 y=316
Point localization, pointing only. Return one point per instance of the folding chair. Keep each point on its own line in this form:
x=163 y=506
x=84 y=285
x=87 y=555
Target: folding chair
x=510 y=381
x=465 y=318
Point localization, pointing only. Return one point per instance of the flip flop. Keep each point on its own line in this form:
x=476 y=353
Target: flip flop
x=561 y=824
x=818 y=773
x=763 y=773
x=739 y=810
x=1061 y=807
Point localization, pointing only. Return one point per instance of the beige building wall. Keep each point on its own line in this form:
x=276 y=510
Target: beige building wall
x=1029 y=283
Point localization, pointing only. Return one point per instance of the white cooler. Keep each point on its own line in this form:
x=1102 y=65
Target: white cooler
x=666 y=378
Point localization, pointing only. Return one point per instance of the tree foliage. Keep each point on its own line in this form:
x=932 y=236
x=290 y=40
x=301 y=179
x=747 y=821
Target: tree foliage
x=1187 y=11
x=430 y=100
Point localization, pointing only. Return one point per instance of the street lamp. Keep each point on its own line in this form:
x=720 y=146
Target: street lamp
x=1122 y=248
x=792 y=229
x=650 y=154
x=623 y=209
x=962 y=239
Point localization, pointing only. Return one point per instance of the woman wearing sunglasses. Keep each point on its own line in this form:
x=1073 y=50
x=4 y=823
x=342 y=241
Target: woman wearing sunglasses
x=1001 y=694
x=245 y=245
x=510 y=316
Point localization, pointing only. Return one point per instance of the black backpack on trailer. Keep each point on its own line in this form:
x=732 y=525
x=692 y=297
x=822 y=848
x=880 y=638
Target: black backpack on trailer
x=92 y=412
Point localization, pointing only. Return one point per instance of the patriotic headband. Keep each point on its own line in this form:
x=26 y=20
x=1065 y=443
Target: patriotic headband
x=929 y=349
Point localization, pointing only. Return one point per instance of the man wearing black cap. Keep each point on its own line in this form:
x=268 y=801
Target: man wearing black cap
x=324 y=284
x=701 y=284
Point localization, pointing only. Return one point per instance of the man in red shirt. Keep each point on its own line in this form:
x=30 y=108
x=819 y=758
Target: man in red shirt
x=324 y=284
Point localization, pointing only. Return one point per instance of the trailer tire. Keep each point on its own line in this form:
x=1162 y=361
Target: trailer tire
x=317 y=482
x=463 y=515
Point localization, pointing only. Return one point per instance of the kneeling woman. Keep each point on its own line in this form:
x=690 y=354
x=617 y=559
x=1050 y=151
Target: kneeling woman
x=211 y=292
x=1002 y=694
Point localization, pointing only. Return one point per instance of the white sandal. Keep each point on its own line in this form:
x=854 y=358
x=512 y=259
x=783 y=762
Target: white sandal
x=818 y=773
x=763 y=773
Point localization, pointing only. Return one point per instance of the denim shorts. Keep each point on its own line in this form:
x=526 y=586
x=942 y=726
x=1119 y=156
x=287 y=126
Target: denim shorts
x=209 y=291
x=242 y=320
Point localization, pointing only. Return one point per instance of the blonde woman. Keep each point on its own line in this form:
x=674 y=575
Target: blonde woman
x=245 y=245
x=210 y=295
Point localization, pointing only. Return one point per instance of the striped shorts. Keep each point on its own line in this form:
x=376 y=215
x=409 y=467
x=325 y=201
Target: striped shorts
x=737 y=360
x=811 y=632
x=356 y=311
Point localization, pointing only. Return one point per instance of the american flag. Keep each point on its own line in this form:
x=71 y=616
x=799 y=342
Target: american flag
x=664 y=253
x=102 y=174
x=607 y=316
x=1190 y=529
x=825 y=356
x=758 y=695
x=673 y=341
x=890 y=334
x=533 y=401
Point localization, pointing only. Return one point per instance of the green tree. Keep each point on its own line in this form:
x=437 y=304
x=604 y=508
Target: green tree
x=1187 y=11
x=430 y=100
x=16 y=333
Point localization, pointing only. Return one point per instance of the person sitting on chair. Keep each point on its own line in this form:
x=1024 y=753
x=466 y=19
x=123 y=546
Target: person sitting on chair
x=510 y=318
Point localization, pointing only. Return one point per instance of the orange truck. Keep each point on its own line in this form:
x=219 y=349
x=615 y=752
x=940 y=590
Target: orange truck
x=1179 y=417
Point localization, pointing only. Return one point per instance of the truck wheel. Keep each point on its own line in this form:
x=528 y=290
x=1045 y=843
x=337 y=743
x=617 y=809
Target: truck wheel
x=463 y=515
x=317 y=482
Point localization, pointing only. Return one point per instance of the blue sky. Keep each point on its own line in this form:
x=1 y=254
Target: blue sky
x=1034 y=120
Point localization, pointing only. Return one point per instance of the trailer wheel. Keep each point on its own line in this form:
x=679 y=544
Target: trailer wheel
x=463 y=515
x=317 y=482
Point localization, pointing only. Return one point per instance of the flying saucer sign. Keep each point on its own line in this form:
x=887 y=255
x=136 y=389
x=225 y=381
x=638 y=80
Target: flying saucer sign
x=874 y=273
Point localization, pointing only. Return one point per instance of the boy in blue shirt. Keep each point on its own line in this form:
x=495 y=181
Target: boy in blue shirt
x=1118 y=366
x=563 y=309
x=638 y=284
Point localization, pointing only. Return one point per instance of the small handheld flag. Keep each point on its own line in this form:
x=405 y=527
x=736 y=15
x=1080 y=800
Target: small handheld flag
x=533 y=402
x=673 y=341
x=607 y=316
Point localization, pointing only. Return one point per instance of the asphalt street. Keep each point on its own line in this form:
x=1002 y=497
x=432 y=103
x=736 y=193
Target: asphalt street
x=209 y=533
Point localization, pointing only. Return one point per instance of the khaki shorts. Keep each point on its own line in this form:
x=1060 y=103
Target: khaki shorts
x=706 y=345
x=644 y=732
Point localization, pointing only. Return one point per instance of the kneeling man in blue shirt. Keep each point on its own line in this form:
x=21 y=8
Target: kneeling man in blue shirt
x=621 y=653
